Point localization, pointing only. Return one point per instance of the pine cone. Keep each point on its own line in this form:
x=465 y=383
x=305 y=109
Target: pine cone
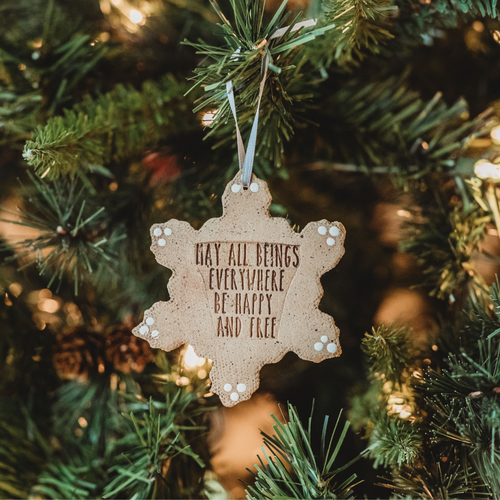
x=126 y=351
x=79 y=353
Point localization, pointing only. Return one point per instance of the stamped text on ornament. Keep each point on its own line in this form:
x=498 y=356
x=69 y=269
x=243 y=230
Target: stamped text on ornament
x=244 y=290
x=246 y=285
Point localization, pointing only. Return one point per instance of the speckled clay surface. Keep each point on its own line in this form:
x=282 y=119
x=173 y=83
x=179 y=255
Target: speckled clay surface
x=245 y=289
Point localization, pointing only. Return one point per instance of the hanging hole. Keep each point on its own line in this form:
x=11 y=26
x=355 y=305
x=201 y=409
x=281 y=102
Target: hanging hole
x=245 y=188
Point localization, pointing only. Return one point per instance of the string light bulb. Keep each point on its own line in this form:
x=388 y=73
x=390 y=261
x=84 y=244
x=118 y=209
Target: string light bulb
x=191 y=359
x=487 y=170
x=495 y=134
x=135 y=16
x=208 y=118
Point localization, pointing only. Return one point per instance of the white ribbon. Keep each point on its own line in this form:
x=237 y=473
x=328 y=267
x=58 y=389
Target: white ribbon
x=246 y=160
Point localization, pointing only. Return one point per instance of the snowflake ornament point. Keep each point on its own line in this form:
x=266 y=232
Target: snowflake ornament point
x=245 y=289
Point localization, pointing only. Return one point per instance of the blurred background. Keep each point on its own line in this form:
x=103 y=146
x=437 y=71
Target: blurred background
x=98 y=140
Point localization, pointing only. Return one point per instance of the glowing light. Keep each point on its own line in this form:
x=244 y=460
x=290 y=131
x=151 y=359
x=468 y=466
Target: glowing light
x=15 y=289
x=495 y=134
x=496 y=36
x=191 y=359
x=202 y=374
x=135 y=16
x=82 y=422
x=208 y=118
x=48 y=305
x=478 y=26
x=486 y=170
x=435 y=347
x=425 y=145
x=404 y=213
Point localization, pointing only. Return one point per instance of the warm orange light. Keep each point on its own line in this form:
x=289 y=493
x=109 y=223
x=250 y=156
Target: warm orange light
x=486 y=170
x=495 y=134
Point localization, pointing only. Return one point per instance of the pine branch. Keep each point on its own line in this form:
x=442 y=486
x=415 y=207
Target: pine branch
x=472 y=422
x=390 y=351
x=62 y=481
x=240 y=60
x=360 y=25
x=17 y=113
x=444 y=245
x=22 y=455
x=481 y=322
x=292 y=470
x=436 y=482
x=384 y=123
x=145 y=460
x=386 y=27
x=463 y=400
x=394 y=442
x=465 y=376
x=73 y=235
x=120 y=124
x=67 y=52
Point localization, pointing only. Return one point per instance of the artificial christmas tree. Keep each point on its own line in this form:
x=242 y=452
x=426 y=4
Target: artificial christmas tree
x=119 y=115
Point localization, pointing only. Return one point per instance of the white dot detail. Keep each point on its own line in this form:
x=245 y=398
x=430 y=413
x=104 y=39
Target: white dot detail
x=167 y=231
x=234 y=396
x=334 y=231
x=330 y=242
x=318 y=346
x=332 y=347
x=241 y=387
x=155 y=334
x=162 y=242
x=143 y=330
x=254 y=187
x=324 y=339
x=150 y=321
x=322 y=230
x=235 y=188
x=227 y=387
x=157 y=231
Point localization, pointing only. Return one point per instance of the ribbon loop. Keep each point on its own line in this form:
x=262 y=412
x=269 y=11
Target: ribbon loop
x=246 y=159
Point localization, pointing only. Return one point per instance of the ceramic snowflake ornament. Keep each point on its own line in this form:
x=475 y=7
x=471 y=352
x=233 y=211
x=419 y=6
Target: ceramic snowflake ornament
x=244 y=289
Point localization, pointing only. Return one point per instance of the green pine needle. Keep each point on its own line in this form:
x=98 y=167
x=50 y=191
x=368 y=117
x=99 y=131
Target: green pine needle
x=246 y=43
x=389 y=350
x=120 y=124
x=395 y=442
x=71 y=240
x=360 y=25
x=293 y=471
